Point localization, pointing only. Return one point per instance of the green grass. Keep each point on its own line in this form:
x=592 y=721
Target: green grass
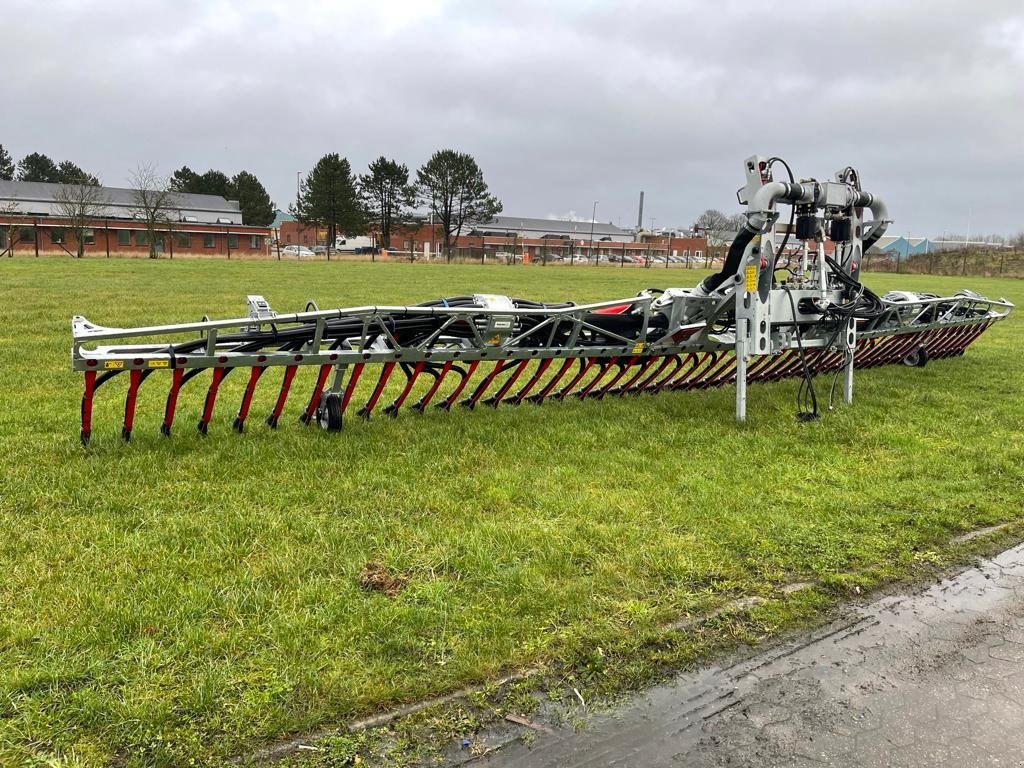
x=194 y=598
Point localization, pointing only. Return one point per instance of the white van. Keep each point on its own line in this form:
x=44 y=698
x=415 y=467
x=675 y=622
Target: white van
x=353 y=243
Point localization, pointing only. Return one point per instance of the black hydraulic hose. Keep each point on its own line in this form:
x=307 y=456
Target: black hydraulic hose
x=873 y=238
x=879 y=225
x=732 y=261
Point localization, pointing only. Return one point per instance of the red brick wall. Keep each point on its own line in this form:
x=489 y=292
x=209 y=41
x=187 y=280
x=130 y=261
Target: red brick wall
x=297 y=233
x=106 y=237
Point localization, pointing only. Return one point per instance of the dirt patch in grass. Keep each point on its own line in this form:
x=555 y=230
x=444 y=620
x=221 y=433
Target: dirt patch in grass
x=377 y=578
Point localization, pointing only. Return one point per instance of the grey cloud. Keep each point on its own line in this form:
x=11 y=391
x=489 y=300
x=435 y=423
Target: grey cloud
x=562 y=103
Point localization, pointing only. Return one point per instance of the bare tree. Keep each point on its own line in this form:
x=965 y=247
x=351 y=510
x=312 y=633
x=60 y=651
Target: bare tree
x=81 y=205
x=153 y=202
x=8 y=211
x=1017 y=241
x=717 y=227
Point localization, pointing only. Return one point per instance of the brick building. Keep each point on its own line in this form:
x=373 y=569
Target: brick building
x=31 y=222
x=291 y=231
x=540 y=239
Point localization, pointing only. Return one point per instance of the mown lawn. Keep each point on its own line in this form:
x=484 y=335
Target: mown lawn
x=194 y=598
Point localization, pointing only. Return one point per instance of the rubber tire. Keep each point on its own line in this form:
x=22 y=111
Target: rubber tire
x=328 y=413
x=917 y=359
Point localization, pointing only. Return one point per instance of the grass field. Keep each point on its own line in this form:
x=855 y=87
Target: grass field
x=194 y=598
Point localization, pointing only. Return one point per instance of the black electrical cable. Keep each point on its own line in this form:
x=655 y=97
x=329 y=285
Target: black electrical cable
x=807 y=382
x=792 y=213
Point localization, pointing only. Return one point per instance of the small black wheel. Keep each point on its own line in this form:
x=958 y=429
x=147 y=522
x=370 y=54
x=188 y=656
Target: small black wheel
x=917 y=359
x=328 y=413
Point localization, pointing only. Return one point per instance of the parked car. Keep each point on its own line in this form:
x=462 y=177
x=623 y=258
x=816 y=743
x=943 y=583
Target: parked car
x=298 y=251
x=320 y=250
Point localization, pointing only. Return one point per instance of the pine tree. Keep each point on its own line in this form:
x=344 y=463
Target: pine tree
x=328 y=198
x=214 y=183
x=387 y=195
x=257 y=208
x=37 y=167
x=69 y=173
x=6 y=165
x=210 y=183
x=184 y=179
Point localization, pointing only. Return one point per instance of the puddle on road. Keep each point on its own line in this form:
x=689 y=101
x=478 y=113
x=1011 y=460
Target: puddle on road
x=925 y=679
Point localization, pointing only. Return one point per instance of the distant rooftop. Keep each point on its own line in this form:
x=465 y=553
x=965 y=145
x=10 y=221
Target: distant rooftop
x=38 y=198
x=281 y=217
x=531 y=227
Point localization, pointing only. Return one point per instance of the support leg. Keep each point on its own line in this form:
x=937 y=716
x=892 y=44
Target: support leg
x=741 y=370
x=848 y=372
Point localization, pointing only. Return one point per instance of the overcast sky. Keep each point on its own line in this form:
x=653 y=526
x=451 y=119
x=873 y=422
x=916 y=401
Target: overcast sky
x=562 y=103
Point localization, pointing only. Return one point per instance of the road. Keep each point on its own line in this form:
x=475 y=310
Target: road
x=928 y=679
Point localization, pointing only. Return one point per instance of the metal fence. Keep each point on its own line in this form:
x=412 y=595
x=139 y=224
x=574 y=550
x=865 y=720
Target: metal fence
x=1001 y=262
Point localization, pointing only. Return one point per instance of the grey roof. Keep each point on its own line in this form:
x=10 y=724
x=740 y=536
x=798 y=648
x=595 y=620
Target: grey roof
x=532 y=227
x=36 y=197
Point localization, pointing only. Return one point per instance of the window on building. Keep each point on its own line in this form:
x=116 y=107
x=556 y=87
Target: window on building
x=57 y=236
x=124 y=237
x=184 y=240
x=26 y=235
x=697 y=254
x=233 y=241
x=3 y=238
x=209 y=241
x=142 y=238
x=89 y=237
x=255 y=242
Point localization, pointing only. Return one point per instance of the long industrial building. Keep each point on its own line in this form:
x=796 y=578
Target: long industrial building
x=34 y=221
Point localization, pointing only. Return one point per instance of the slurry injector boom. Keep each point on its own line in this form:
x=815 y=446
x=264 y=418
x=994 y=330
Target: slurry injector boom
x=780 y=307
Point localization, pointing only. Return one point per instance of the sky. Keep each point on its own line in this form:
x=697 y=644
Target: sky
x=562 y=103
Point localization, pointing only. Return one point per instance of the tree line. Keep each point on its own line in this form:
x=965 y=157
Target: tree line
x=450 y=184
x=253 y=200
x=40 y=167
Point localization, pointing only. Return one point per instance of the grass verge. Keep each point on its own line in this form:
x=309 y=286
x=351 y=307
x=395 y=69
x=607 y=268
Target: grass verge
x=188 y=600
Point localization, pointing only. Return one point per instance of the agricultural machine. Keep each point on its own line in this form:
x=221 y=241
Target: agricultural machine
x=780 y=307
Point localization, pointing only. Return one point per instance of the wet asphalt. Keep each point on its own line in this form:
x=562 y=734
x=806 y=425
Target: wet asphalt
x=928 y=679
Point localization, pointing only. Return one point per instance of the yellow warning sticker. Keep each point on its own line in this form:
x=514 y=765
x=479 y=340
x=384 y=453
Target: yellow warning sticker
x=494 y=341
x=159 y=363
x=638 y=348
x=114 y=364
x=751 y=279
